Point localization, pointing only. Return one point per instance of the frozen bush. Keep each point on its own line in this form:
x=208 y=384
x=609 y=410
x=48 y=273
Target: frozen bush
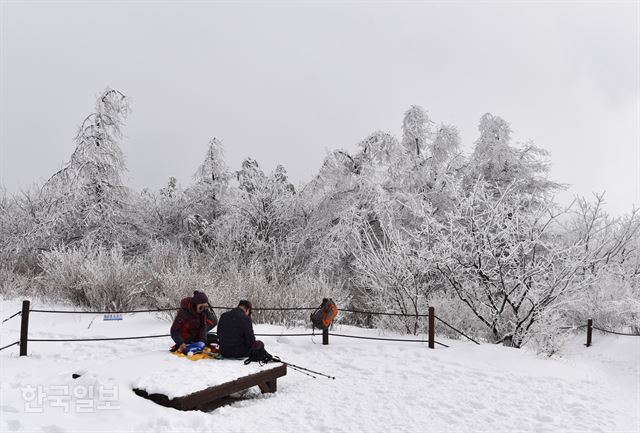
x=550 y=333
x=14 y=284
x=91 y=276
x=449 y=308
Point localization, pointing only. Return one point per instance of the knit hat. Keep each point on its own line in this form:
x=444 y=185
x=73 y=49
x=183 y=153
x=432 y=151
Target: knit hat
x=246 y=304
x=199 y=298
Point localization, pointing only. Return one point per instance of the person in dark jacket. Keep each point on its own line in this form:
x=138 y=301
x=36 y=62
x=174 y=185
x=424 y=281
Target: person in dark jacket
x=193 y=321
x=235 y=332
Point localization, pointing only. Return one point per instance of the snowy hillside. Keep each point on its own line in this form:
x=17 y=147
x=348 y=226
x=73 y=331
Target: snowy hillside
x=379 y=386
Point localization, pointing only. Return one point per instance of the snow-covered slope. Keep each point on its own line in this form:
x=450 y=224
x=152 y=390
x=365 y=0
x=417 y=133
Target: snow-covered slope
x=379 y=386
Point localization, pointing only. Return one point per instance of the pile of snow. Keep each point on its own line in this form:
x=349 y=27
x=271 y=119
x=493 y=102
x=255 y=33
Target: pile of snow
x=379 y=386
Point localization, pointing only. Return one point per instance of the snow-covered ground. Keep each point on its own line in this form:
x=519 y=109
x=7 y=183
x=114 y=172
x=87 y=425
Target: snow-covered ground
x=379 y=386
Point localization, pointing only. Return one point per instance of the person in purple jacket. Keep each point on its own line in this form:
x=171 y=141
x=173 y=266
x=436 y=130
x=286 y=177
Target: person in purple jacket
x=193 y=321
x=235 y=332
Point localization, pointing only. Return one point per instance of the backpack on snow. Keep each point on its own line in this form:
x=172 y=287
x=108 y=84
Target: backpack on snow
x=323 y=316
x=261 y=356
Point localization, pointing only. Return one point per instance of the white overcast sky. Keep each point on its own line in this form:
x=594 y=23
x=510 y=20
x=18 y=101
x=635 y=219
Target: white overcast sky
x=285 y=82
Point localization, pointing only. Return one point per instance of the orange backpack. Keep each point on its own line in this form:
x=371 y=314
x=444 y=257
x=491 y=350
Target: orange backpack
x=323 y=316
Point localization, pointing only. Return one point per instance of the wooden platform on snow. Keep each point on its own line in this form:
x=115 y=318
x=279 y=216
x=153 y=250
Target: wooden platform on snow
x=218 y=395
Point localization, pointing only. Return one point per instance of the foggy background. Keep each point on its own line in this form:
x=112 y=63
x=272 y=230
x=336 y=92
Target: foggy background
x=286 y=82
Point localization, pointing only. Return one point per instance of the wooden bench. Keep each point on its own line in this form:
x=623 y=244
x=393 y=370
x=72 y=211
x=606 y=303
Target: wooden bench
x=218 y=395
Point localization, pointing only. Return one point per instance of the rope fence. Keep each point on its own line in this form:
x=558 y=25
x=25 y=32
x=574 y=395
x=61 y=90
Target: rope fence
x=325 y=332
x=54 y=340
x=378 y=313
x=384 y=339
x=572 y=327
x=458 y=331
x=102 y=312
x=590 y=329
x=51 y=340
x=143 y=336
x=615 y=332
x=11 y=317
x=308 y=334
x=151 y=310
x=257 y=335
x=155 y=310
x=9 y=345
x=26 y=310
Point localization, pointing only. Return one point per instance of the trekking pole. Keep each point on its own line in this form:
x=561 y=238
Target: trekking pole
x=303 y=372
x=306 y=369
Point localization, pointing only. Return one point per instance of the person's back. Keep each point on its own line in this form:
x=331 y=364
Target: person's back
x=235 y=332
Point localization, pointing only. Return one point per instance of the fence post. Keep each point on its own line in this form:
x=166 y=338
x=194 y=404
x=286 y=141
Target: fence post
x=325 y=336
x=432 y=327
x=589 y=331
x=24 y=327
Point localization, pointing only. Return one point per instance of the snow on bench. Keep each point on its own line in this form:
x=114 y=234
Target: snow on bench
x=205 y=384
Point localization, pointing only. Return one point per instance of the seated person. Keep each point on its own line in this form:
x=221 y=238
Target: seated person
x=235 y=332
x=193 y=322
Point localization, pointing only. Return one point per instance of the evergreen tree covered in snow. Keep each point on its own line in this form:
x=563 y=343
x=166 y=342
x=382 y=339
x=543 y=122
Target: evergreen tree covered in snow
x=207 y=194
x=91 y=200
x=497 y=162
x=416 y=130
x=446 y=144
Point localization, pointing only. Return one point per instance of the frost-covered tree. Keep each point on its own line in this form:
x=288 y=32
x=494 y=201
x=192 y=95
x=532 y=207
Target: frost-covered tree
x=380 y=147
x=281 y=178
x=382 y=160
x=509 y=264
x=493 y=157
x=163 y=214
x=12 y=228
x=249 y=175
x=398 y=224
x=265 y=200
x=171 y=189
x=27 y=227
x=612 y=293
x=186 y=215
x=437 y=175
x=497 y=162
x=349 y=193
x=331 y=187
x=211 y=185
x=394 y=266
x=446 y=145
x=259 y=222
x=213 y=170
x=416 y=130
x=91 y=198
x=324 y=206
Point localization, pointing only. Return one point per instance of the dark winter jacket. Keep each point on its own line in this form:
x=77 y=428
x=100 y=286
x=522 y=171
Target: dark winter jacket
x=190 y=326
x=235 y=334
